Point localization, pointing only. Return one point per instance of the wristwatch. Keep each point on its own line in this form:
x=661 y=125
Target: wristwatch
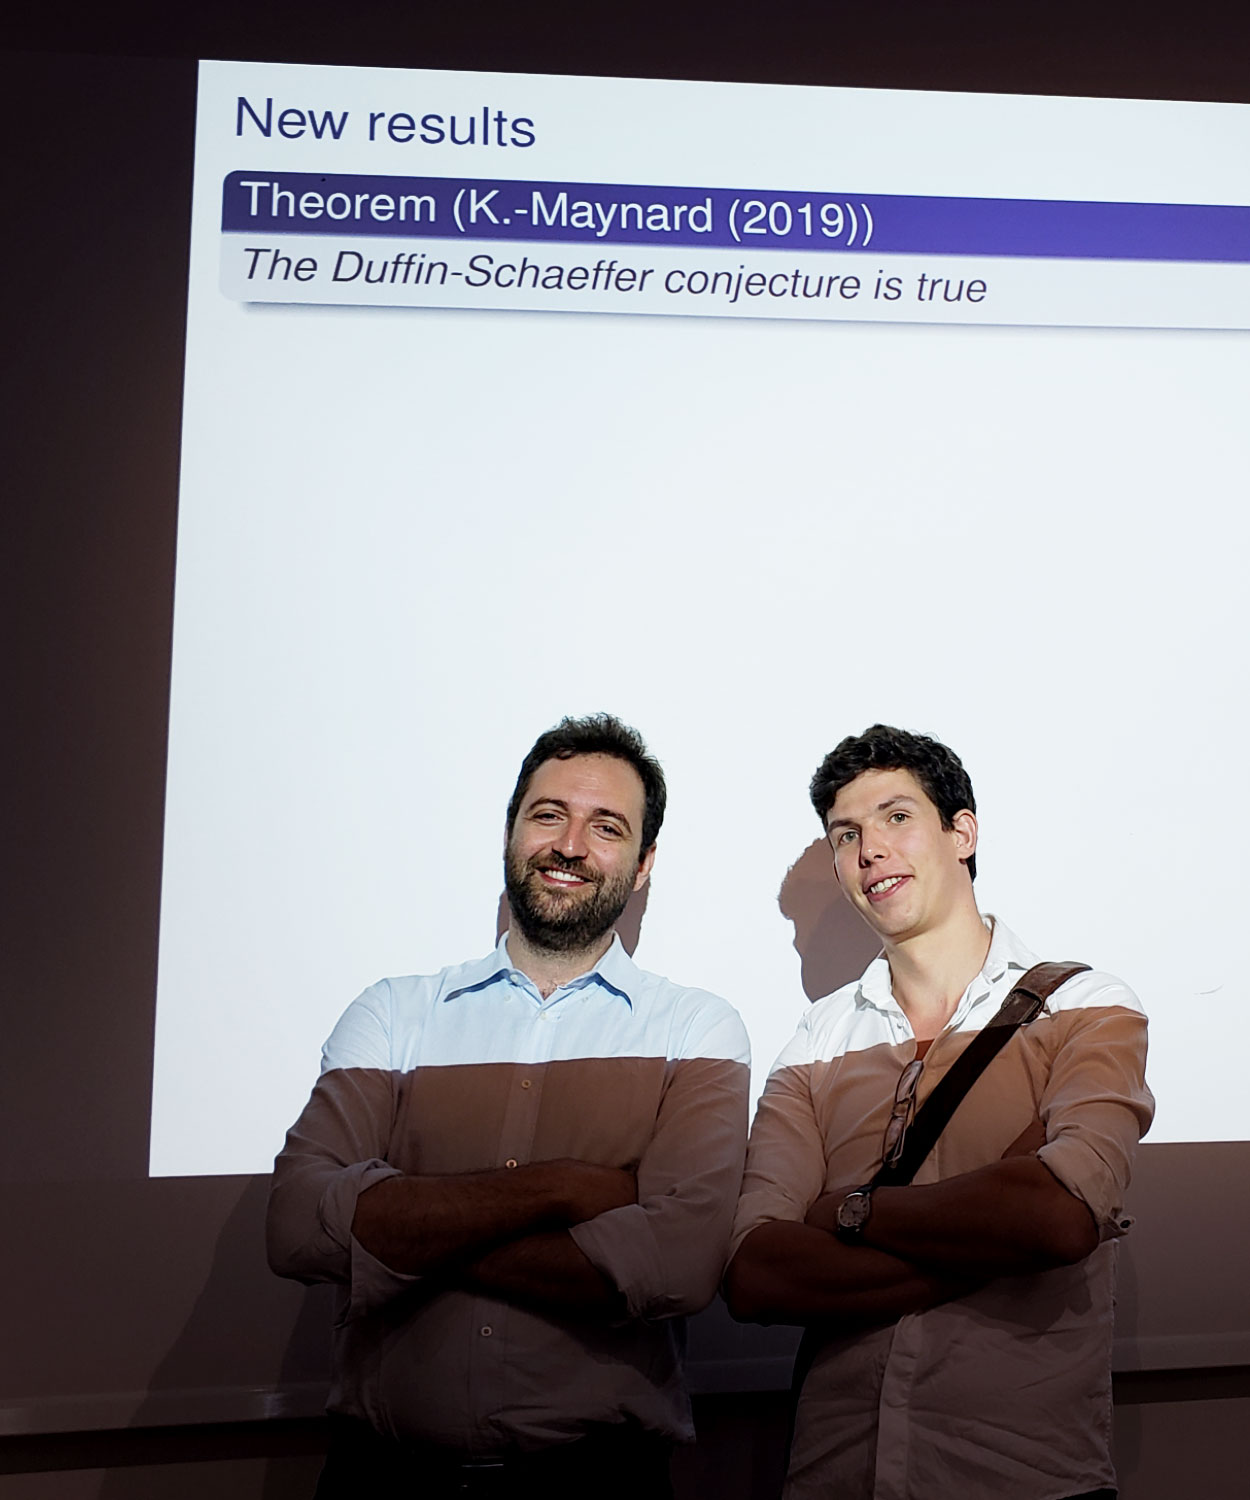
x=853 y=1215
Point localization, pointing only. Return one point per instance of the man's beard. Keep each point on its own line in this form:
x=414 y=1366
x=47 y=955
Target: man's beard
x=560 y=921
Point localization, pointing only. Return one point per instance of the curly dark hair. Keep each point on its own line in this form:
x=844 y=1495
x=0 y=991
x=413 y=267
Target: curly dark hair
x=883 y=748
x=598 y=734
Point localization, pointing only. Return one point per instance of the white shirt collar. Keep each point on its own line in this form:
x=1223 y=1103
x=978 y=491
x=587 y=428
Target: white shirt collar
x=1006 y=952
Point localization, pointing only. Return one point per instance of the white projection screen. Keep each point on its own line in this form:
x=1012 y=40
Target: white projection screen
x=753 y=415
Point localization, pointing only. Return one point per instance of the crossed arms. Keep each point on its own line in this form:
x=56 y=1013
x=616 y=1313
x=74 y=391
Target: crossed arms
x=578 y=1237
x=503 y=1231
x=927 y=1244
x=921 y=1245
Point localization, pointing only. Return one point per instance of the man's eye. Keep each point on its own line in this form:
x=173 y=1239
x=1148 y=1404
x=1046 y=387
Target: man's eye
x=898 y=817
x=611 y=831
x=846 y=836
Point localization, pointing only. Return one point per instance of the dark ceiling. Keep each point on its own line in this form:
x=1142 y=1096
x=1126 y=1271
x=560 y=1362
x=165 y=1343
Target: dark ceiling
x=1151 y=49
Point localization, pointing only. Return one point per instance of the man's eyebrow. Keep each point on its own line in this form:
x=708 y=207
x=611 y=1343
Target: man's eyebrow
x=547 y=802
x=880 y=807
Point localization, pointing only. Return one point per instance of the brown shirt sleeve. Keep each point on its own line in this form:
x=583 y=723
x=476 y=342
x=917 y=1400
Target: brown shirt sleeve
x=1096 y=1104
x=666 y=1253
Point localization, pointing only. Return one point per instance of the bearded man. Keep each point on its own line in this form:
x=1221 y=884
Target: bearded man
x=521 y=1172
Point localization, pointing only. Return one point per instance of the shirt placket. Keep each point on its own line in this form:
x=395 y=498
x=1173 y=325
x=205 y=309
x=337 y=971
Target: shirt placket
x=903 y=1361
x=894 y=1410
x=894 y=1427
x=490 y=1331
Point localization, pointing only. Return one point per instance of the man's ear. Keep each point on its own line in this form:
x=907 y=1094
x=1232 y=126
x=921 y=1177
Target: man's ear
x=964 y=829
x=644 y=868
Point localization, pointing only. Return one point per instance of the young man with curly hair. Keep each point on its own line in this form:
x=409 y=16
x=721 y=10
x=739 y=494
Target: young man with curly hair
x=960 y=1326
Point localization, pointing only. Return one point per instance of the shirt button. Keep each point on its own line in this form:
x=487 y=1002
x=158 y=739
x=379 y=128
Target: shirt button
x=511 y=1162
x=487 y=1331
x=525 y=1083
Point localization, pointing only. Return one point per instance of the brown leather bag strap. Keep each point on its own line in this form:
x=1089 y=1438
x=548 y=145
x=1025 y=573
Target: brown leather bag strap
x=1030 y=992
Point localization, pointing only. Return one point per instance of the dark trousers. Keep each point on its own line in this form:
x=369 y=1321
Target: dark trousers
x=611 y=1463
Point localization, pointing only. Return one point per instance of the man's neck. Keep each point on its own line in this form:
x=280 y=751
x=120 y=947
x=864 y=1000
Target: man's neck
x=930 y=971
x=547 y=968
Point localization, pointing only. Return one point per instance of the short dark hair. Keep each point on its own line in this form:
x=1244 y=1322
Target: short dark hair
x=598 y=734
x=883 y=748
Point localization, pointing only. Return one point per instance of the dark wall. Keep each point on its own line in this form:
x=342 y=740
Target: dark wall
x=148 y=1302
x=1150 y=49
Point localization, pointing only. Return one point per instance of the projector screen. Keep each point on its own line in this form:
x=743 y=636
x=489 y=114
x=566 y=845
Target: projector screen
x=753 y=415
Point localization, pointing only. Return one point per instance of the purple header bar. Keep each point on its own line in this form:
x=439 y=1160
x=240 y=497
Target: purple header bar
x=481 y=209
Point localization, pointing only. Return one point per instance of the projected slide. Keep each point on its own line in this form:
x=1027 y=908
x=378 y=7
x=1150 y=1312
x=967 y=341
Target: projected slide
x=753 y=415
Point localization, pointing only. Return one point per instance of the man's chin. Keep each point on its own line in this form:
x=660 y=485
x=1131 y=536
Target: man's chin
x=562 y=923
x=560 y=937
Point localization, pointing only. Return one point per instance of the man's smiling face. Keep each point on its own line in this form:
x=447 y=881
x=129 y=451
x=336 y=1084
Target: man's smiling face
x=901 y=870
x=573 y=857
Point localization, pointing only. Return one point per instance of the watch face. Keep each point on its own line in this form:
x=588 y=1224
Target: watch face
x=854 y=1211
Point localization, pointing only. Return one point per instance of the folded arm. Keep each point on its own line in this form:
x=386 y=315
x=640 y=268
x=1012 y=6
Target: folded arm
x=564 y=1234
x=1008 y=1217
x=786 y=1272
x=339 y=1211
x=666 y=1253
x=1046 y=1203
x=545 y=1270
x=1004 y=1219
x=416 y=1225
x=1059 y=1185
x=920 y=1246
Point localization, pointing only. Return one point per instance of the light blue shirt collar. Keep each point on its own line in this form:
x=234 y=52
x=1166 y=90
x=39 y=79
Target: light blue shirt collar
x=615 y=971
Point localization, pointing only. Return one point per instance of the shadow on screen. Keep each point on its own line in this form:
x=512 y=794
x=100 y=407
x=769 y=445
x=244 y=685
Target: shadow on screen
x=833 y=942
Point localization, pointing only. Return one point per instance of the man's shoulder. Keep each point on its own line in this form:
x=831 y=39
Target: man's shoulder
x=659 y=988
x=836 y=1023
x=833 y=1012
x=441 y=983
x=1009 y=959
x=390 y=1008
x=699 y=1015
x=1094 y=989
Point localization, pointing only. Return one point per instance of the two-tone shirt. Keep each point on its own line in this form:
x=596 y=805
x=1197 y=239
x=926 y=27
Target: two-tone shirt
x=472 y=1069
x=1006 y=1391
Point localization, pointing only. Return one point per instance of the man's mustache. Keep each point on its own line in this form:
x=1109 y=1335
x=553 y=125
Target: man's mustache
x=554 y=860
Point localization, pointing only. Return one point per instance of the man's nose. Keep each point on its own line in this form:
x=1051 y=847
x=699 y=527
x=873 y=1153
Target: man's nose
x=871 y=848
x=572 y=840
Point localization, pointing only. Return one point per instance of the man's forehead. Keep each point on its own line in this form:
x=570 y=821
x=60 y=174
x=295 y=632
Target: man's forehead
x=605 y=780
x=871 y=789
